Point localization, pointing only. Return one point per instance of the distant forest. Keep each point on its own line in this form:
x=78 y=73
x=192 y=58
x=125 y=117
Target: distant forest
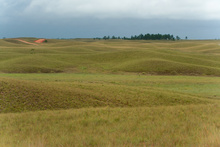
x=145 y=37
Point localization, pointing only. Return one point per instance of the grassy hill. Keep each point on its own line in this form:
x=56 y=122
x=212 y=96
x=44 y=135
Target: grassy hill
x=109 y=110
x=112 y=56
x=86 y=92
x=75 y=92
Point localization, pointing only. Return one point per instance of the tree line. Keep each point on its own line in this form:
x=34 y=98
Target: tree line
x=145 y=37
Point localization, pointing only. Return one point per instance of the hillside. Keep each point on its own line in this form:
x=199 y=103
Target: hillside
x=111 y=56
x=73 y=91
x=108 y=110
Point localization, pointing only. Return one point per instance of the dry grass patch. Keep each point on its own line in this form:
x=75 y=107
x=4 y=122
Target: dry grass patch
x=193 y=125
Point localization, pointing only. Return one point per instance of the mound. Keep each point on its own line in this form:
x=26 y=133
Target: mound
x=166 y=67
x=31 y=64
x=159 y=62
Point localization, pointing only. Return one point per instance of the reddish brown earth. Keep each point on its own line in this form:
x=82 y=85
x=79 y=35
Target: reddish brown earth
x=40 y=41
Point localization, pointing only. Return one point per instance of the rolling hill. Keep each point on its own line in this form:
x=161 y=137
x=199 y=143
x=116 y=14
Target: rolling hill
x=111 y=56
x=85 y=92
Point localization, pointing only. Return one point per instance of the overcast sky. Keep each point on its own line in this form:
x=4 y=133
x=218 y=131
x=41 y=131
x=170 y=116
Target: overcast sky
x=197 y=19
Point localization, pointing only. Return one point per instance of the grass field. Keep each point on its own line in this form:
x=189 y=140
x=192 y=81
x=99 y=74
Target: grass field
x=87 y=92
x=112 y=56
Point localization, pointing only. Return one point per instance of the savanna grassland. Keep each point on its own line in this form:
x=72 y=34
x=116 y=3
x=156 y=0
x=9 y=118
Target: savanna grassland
x=86 y=92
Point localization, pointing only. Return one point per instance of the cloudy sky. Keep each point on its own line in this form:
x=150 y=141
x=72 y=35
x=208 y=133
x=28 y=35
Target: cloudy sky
x=197 y=19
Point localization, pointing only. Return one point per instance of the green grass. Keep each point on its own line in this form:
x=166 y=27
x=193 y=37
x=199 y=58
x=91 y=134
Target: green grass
x=86 y=92
x=111 y=56
x=73 y=91
x=109 y=110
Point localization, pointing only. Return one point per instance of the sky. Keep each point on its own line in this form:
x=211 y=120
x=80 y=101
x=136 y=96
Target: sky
x=196 y=19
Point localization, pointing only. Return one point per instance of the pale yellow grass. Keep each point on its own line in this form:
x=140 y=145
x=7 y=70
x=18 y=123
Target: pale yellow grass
x=193 y=125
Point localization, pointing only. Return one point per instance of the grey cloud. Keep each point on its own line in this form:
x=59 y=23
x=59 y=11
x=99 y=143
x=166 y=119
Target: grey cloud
x=90 y=27
x=170 y=9
x=94 y=18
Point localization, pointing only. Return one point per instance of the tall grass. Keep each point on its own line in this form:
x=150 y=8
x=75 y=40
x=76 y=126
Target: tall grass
x=192 y=125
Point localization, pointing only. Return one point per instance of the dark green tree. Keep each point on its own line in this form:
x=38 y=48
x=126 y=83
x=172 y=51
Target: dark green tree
x=178 y=38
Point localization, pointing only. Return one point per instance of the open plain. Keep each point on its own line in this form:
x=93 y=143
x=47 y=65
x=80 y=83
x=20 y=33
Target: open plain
x=86 y=92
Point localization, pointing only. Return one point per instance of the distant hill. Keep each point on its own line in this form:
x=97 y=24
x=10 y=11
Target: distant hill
x=112 y=56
